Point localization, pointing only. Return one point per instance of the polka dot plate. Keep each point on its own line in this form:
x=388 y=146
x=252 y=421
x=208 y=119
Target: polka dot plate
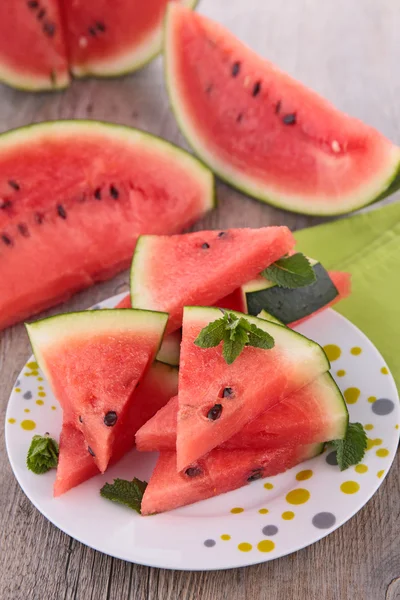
x=262 y=521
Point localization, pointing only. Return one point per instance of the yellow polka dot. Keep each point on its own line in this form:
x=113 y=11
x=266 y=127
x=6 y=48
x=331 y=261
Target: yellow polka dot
x=40 y=378
x=356 y=350
x=298 y=496
x=351 y=395
x=332 y=352
x=17 y=389
x=28 y=374
x=42 y=394
x=396 y=426
x=28 y=425
x=34 y=373
x=368 y=427
x=380 y=473
x=372 y=399
x=371 y=443
x=32 y=365
x=237 y=510
x=263 y=511
x=382 y=452
x=54 y=408
x=303 y=475
x=11 y=421
x=385 y=371
x=245 y=547
x=288 y=515
x=39 y=402
x=350 y=487
x=361 y=468
x=40 y=387
x=225 y=537
x=27 y=410
x=265 y=546
x=268 y=486
x=341 y=373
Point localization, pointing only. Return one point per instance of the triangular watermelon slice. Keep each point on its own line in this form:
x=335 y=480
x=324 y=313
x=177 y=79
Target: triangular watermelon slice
x=221 y=471
x=314 y=414
x=76 y=465
x=257 y=380
x=170 y=272
x=93 y=361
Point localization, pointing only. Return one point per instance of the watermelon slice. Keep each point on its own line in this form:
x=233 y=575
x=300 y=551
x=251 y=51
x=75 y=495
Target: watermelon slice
x=171 y=272
x=314 y=414
x=32 y=54
x=221 y=471
x=257 y=380
x=94 y=361
x=111 y=39
x=75 y=196
x=266 y=133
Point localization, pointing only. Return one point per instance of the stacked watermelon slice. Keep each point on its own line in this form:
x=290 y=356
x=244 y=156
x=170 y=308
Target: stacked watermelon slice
x=218 y=425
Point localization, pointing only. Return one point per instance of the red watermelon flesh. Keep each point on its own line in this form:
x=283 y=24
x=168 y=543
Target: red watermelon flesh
x=33 y=53
x=94 y=361
x=76 y=465
x=264 y=132
x=170 y=272
x=221 y=471
x=75 y=196
x=257 y=380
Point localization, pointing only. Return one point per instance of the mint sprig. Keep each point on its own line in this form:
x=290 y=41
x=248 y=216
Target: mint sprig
x=350 y=451
x=42 y=454
x=129 y=493
x=290 y=271
x=235 y=332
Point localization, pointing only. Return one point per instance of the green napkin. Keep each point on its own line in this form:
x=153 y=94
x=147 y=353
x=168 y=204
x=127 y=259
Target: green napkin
x=367 y=246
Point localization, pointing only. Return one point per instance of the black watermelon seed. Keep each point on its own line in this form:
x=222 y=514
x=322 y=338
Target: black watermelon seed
x=110 y=418
x=289 y=119
x=205 y=246
x=256 y=88
x=32 y=3
x=193 y=471
x=215 y=412
x=80 y=419
x=13 y=184
x=41 y=14
x=239 y=117
x=228 y=393
x=39 y=218
x=7 y=241
x=61 y=211
x=256 y=474
x=53 y=77
x=100 y=26
x=97 y=193
x=221 y=234
x=92 y=31
x=114 y=193
x=5 y=203
x=49 y=28
x=278 y=107
x=209 y=88
x=24 y=231
x=235 y=69
x=91 y=451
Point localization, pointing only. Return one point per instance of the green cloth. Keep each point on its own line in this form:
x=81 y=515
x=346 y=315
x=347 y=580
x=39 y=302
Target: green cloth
x=367 y=246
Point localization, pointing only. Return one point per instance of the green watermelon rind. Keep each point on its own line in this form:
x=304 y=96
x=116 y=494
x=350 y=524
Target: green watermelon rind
x=389 y=181
x=32 y=84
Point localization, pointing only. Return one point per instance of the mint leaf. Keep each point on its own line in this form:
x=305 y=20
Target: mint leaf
x=42 y=454
x=260 y=338
x=129 y=493
x=213 y=334
x=233 y=347
x=290 y=272
x=350 y=451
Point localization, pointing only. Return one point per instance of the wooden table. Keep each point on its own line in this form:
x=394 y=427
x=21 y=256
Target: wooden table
x=348 y=50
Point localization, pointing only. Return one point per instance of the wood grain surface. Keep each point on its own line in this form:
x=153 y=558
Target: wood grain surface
x=348 y=50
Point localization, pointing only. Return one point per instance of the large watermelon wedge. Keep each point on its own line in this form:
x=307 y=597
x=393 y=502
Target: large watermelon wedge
x=75 y=196
x=221 y=471
x=32 y=49
x=199 y=268
x=264 y=132
x=94 y=361
x=257 y=380
x=76 y=465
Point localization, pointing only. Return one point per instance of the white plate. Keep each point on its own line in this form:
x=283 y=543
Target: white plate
x=211 y=534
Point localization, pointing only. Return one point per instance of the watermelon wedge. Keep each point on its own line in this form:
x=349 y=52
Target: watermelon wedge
x=171 y=272
x=33 y=53
x=112 y=39
x=264 y=132
x=75 y=196
x=257 y=380
x=221 y=471
x=314 y=414
x=94 y=361
x=76 y=465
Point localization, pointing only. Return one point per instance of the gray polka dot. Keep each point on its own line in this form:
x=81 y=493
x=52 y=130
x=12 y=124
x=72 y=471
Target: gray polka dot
x=27 y=395
x=382 y=407
x=209 y=543
x=96 y=307
x=331 y=459
x=270 y=530
x=324 y=520
x=17 y=383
